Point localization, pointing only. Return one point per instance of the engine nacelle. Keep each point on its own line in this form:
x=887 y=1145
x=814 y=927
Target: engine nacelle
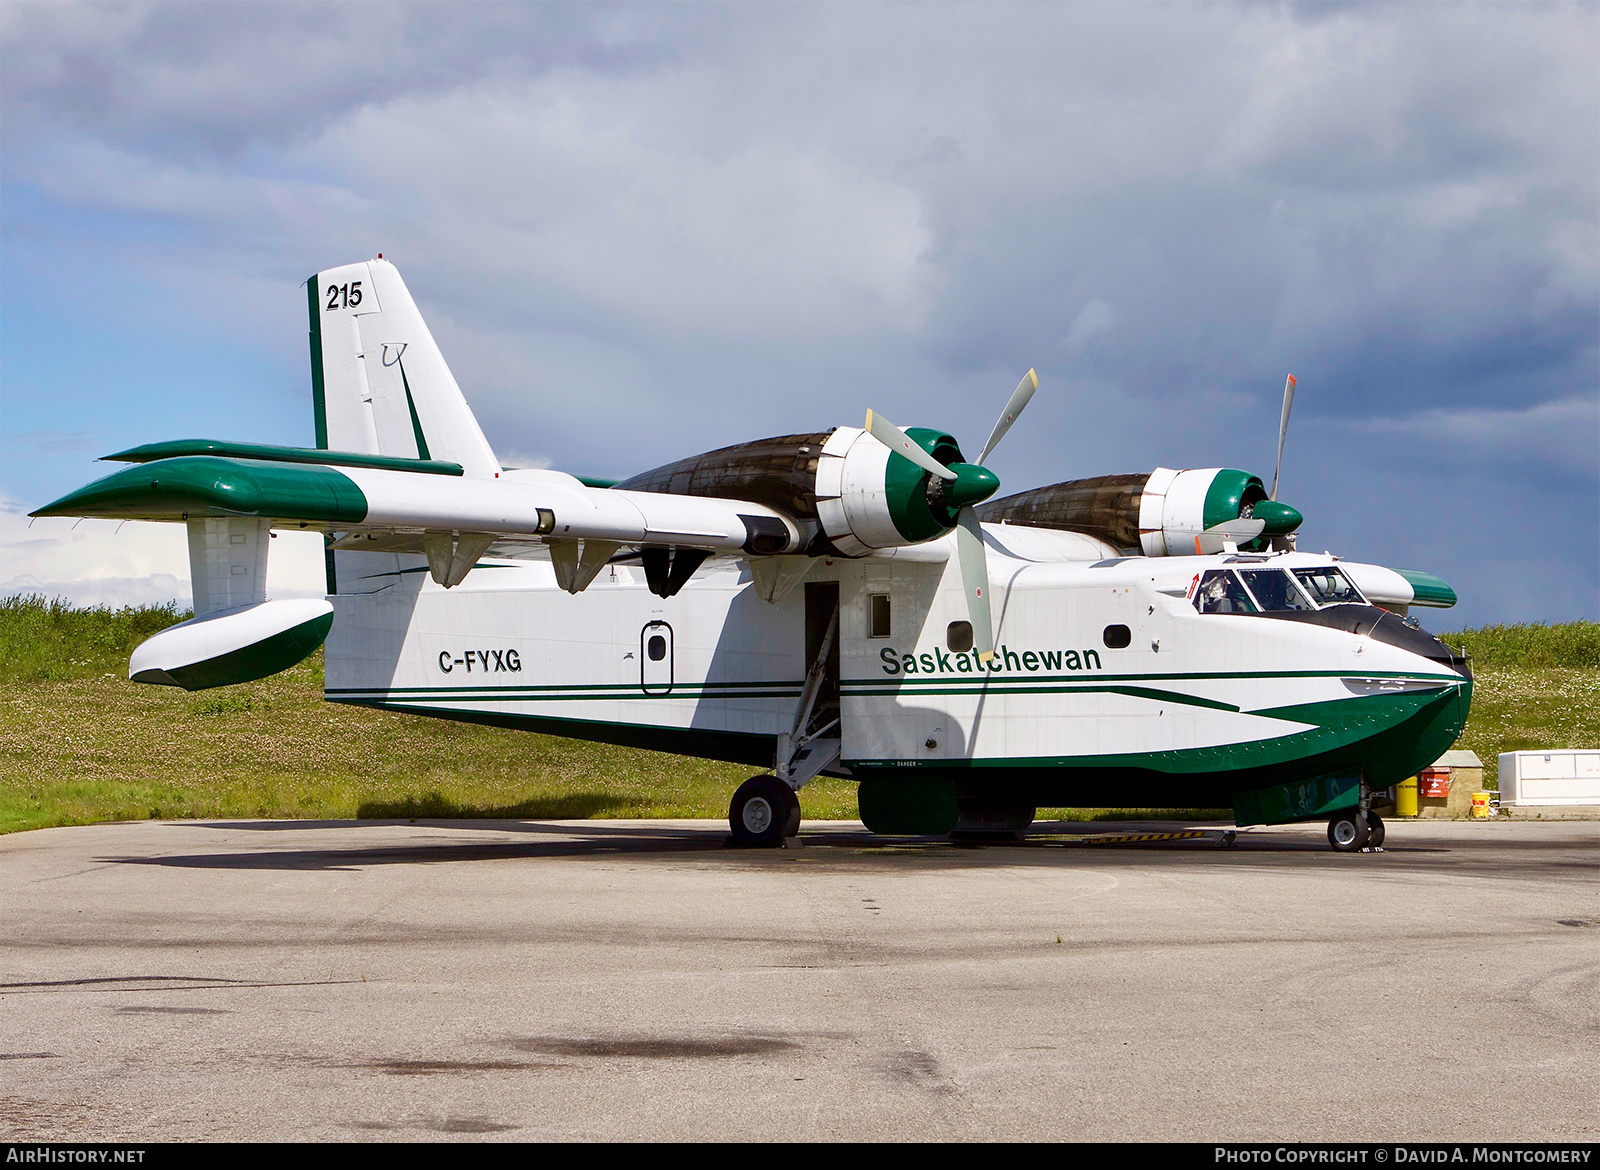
x=856 y=493
x=869 y=497
x=1158 y=514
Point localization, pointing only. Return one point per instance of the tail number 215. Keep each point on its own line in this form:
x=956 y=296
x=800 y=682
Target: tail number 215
x=344 y=296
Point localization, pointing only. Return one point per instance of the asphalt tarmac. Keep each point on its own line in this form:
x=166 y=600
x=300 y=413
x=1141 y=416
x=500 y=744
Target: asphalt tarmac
x=638 y=980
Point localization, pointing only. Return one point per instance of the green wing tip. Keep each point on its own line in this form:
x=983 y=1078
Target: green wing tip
x=1429 y=590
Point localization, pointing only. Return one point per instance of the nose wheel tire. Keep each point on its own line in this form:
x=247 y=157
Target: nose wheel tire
x=1374 y=831
x=1348 y=832
x=763 y=812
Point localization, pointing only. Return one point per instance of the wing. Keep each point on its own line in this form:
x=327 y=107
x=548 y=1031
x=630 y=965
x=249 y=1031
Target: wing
x=378 y=503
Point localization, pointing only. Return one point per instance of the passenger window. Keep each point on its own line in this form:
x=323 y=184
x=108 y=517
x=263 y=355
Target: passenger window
x=878 y=616
x=958 y=637
x=1116 y=637
x=1329 y=586
x=1221 y=592
x=656 y=647
x=1275 y=590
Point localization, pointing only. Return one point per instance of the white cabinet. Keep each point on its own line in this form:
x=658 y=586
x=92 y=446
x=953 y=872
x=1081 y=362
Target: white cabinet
x=1567 y=776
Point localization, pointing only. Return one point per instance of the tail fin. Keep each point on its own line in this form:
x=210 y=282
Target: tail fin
x=379 y=382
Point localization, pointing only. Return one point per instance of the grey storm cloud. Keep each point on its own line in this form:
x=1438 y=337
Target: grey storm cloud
x=642 y=231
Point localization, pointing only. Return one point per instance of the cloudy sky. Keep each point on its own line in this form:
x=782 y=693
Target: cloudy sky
x=644 y=231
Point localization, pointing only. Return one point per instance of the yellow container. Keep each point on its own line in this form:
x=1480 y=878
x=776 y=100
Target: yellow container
x=1480 y=804
x=1405 y=797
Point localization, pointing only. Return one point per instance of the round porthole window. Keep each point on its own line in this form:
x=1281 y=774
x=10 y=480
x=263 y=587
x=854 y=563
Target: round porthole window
x=1116 y=637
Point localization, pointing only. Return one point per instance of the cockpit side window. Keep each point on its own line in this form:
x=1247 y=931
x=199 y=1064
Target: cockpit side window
x=1329 y=586
x=1221 y=592
x=1274 y=589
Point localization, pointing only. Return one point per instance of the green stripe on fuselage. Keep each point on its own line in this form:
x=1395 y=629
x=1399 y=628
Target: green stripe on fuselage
x=1388 y=736
x=927 y=683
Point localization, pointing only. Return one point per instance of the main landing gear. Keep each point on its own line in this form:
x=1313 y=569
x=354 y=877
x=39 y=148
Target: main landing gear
x=764 y=811
x=1354 y=830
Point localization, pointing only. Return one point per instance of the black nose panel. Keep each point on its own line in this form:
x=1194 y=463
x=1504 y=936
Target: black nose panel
x=1381 y=626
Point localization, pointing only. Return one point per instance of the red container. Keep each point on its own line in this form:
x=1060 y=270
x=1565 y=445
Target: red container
x=1433 y=782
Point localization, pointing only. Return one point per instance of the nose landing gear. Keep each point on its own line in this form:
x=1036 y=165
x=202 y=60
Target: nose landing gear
x=1347 y=832
x=1353 y=831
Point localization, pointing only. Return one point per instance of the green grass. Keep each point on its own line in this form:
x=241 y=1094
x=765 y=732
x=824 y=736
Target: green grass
x=50 y=641
x=80 y=744
x=98 y=749
x=1536 y=687
x=1569 y=645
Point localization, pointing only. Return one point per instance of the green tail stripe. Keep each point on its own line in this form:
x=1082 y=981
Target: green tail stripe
x=319 y=405
x=416 y=423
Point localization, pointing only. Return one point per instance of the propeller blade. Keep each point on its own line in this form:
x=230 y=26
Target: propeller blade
x=900 y=443
x=1283 y=429
x=1246 y=530
x=1218 y=537
x=975 y=578
x=1019 y=399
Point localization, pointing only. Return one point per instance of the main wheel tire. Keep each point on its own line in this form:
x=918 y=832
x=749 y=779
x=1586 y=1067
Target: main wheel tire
x=791 y=827
x=1374 y=831
x=1347 y=832
x=761 y=810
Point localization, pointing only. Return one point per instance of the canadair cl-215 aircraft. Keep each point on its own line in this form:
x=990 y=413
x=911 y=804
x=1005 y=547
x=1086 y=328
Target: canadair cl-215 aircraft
x=852 y=602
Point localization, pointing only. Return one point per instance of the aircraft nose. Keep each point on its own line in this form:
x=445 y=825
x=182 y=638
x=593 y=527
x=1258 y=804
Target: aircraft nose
x=1395 y=631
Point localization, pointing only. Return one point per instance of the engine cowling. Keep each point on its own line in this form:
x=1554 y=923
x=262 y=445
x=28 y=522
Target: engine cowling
x=1159 y=513
x=856 y=494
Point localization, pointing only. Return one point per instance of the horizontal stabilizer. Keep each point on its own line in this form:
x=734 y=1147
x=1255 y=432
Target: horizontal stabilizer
x=150 y=452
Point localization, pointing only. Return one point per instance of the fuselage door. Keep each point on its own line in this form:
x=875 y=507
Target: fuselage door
x=655 y=658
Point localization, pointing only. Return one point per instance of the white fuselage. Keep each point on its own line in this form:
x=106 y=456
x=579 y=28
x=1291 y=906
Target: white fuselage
x=508 y=646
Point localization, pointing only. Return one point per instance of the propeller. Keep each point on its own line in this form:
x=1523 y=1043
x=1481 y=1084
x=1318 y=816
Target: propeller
x=1283 y=429
x=970 y=484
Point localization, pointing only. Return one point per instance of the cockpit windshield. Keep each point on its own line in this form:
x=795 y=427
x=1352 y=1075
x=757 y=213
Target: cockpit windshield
x=1329 y=586
x=1221 y=592
x=1274 y=589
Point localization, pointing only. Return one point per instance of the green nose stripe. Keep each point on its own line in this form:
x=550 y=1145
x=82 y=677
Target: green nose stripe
x=1280 y=519
x=972 y=485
